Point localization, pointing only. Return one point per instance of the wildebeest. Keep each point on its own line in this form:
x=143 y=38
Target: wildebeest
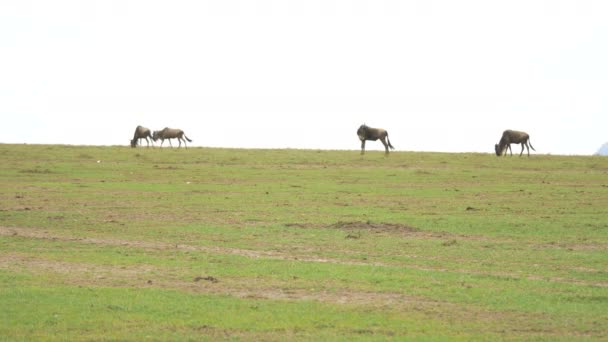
x=171 y=133
x=367 y=133
x=141 y=132
x=513 y=137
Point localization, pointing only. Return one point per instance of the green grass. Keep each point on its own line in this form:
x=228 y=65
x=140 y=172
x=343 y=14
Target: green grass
x=114 y=243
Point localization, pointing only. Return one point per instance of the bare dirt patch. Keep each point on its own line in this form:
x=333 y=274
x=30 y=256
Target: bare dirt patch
x=43 y=234
x=90 y=273
x=207 y=278
x=299 y=225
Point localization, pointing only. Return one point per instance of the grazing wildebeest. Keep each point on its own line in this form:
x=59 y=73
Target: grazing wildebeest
x=513 y=137
x=367 y=133
x=141 y=132
x=171 y=133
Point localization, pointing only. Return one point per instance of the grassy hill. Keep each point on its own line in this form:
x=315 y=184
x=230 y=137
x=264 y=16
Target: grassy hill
x=133 y=244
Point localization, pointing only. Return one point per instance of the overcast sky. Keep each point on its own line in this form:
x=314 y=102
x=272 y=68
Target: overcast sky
x=438 y=75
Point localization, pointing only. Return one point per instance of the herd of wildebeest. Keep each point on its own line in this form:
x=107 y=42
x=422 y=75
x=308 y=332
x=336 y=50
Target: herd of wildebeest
x=364 y=133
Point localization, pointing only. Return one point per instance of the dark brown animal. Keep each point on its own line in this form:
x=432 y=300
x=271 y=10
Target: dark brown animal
x=141 y=133
x=513 y=137
x=367 y=133
x=171 y=133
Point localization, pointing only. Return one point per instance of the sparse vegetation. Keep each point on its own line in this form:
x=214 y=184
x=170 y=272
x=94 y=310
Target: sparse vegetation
x=215 y=244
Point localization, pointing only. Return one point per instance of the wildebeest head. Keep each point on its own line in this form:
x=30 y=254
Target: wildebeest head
x=362 y=132
x=156 y=135
x=497 y=149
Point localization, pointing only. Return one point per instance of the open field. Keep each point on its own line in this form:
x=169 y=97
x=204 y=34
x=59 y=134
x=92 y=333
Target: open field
x=117 y=243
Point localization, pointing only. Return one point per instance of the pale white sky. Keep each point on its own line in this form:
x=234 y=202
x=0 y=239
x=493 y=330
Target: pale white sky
x=438 y=75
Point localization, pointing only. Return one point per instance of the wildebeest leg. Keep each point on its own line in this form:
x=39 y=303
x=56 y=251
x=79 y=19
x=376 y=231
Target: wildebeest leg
x=362 y=146
x=527 y=147
x=170 y=144
x=510 y=150
x=522 y=149
x=383 y=140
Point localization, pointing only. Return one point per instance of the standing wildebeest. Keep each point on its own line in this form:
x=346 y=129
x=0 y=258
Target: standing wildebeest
x=171 y=133
x=513 y=137
x=367 y=133
x=141 y=132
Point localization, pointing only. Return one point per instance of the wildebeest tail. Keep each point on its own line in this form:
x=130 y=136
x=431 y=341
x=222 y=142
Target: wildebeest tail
x=187 y=138
x=389 y=142
x=530 y=142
